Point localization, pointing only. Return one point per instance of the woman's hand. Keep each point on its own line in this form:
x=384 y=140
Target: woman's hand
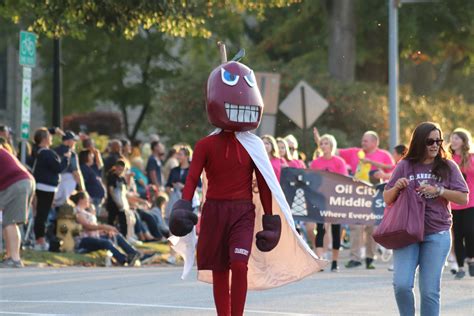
x=427 y=189
x=401 y=184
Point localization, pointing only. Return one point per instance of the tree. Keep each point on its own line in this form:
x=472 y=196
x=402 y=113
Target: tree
x=108 y=69
x=139 y=21
x=342 y=39
x=57 y=18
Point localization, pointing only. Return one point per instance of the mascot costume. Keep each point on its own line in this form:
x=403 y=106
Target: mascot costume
x=229 y=254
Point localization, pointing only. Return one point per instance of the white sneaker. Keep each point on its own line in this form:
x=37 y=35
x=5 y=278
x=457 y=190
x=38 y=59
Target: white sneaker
x=134 y=241
x=453 y=267
x=41 y=247
x=171 y=260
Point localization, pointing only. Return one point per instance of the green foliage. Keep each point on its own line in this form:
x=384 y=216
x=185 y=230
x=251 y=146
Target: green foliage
x=57 y=18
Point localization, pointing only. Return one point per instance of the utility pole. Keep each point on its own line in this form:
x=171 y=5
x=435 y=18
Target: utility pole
x=393 y=72
x=57 y=85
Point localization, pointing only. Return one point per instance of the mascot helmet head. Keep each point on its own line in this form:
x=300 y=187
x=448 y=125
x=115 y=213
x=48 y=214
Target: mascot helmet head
x=233 y=99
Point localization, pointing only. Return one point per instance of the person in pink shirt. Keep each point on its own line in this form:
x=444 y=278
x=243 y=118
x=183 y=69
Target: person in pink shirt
x=329 y=162
x=273 y=154
x=463 y=215
x=284 y=151
x=364 y=162
x=293 y=151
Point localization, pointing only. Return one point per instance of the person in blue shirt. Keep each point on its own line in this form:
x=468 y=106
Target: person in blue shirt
x=141 y=181
x=153 y=166
x=92 y=179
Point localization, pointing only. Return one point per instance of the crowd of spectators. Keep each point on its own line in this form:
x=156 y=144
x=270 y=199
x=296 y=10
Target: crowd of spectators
x=123 y=196
x=119 y=201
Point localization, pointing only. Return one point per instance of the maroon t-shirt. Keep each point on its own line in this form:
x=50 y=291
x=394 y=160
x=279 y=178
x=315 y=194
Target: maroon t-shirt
x=438 y=209
x=11 y=170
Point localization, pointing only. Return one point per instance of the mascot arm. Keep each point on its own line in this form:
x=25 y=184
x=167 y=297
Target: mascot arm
x=268 y=238
x=265 y=193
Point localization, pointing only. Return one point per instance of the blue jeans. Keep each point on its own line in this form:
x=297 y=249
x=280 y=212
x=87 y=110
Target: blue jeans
x=429 y=257
x=104 y=242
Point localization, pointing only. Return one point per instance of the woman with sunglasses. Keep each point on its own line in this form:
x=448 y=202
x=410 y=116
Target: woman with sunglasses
x=463 y=215
x=439 y=181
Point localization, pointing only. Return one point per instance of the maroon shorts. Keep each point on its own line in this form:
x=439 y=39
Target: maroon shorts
x=226 y=234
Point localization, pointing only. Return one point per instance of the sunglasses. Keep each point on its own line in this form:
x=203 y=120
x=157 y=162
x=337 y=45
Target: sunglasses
x=431 y=141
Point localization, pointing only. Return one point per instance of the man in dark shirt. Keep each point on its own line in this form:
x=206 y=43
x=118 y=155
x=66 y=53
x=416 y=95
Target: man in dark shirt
x=153 y=166
x=115 y=153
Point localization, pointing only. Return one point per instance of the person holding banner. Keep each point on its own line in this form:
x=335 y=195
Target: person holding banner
x=329 y=162
x=439 y=182
x=364 y=163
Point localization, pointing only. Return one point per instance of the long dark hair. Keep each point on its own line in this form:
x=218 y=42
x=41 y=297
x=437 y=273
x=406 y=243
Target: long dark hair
x=417 y=149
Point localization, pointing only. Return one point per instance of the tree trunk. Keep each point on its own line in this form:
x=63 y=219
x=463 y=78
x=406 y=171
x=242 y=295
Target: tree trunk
x=342 y=39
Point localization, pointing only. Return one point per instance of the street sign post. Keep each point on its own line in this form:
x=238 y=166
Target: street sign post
x=303 y=106
x=27 y=49
x=28 y=61
x=269 y=85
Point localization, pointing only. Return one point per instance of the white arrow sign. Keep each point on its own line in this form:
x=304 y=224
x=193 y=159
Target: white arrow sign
x=303 y=105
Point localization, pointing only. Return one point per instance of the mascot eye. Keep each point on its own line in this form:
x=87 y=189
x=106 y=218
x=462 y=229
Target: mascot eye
x=250 y=79
x=228 y=78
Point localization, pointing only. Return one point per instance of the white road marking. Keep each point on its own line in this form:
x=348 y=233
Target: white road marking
x=36 y=314
x=149 y=305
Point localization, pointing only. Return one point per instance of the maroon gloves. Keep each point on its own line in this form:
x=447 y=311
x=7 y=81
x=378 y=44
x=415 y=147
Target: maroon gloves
x=182 y=218
x=268 y=238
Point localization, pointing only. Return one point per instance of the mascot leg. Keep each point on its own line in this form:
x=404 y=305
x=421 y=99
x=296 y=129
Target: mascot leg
x=220 y=287
x=239 y=287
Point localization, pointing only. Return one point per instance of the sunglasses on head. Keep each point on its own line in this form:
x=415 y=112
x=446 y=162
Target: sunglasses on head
x=431 y=141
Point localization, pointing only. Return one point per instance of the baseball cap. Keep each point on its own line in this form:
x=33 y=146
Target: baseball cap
x=68 y=135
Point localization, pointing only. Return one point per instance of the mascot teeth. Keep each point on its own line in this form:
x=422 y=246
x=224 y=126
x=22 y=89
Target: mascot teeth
x=242 y=113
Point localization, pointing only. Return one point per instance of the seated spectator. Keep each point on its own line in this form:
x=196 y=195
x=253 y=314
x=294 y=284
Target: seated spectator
x=141 y=181
x=146 y=225
x=99 y=236
x=159 y=205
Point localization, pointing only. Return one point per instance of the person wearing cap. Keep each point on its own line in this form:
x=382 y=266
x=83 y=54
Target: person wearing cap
x=71 y=178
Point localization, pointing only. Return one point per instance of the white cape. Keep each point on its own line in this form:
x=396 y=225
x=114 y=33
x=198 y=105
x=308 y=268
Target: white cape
x=291 y=260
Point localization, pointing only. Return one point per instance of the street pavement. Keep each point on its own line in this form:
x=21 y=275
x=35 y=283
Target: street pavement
x=158 y=290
